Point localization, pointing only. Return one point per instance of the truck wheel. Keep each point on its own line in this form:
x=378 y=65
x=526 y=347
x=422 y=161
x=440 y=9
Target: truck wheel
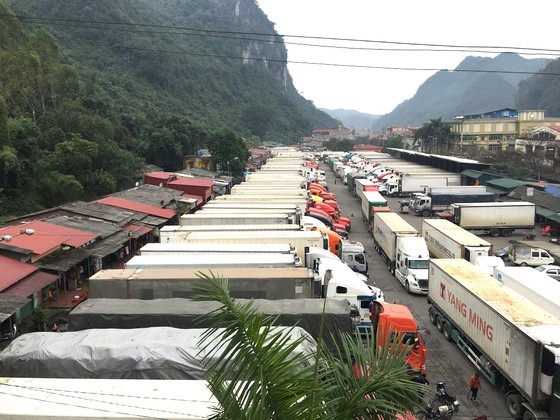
x=506 y=232
x=439 y=324
x=514 y=404
x=407 y=287
x=527 y=415
x=447 y=331
x=494 y=232
x=433 y=316
x=523 y=264
x=426 y=213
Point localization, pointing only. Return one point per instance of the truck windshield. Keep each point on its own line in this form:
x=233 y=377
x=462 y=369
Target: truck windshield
x=418 y=264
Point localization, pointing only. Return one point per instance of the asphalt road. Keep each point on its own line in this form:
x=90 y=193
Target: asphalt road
x=445 y=362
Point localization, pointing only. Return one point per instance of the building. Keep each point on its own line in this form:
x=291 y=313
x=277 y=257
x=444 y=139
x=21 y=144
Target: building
x=497 y=130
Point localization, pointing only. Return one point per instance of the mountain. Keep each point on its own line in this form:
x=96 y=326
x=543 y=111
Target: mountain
x=213 y=62
x=447 y=94
x=351 y=118
x=542 y=91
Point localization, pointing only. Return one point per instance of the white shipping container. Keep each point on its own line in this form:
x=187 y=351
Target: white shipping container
x=201 y=218
x=181 y=229
x=216 y=260
x=388 y=227
x=539 y=288
x=264 y=198
x=417 y=183
x=361 y=188
x=447 y=240
x=498 y=214
x=300 y=239
x=300 y=192
x=156 y=248
x=503 y=324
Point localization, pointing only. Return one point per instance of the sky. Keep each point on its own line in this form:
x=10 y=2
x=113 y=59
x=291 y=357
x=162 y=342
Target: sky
x=475 y=23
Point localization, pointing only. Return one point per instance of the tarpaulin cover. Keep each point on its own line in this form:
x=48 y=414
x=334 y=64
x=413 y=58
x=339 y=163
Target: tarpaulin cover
x=143 y=353
x=182 y=313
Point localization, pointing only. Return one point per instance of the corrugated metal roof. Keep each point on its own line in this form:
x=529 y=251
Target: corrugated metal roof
x=505 y=183
x=109 y=245
x=103 y=229
x=136 y=206
x=472 y=173
x=541 y=199
x=32 y=284
x=63 y=260
x=151 y=195
x=99 y=211
x=10 y=304
x=13 y=271
x=47 y=236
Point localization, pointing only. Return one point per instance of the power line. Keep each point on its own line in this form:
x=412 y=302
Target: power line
x=216 y=33
x=200 y=32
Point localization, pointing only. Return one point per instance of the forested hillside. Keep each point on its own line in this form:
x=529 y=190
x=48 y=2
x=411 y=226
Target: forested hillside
x=542 y=91
x=447 y=94
x=91 y=90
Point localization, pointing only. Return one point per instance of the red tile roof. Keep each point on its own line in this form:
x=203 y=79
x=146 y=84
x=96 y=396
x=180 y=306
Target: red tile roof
x=13 y=271
x=139 y=207
x=47 y=236
x=33 y=284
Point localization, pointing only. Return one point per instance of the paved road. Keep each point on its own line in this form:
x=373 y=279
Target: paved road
x=445 y=361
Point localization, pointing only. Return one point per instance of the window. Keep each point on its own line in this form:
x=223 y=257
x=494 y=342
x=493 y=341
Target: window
x=418 y=264
x=341 y=290
x=535 y=254
x=360 y=259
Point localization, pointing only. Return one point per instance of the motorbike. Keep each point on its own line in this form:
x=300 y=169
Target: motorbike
x=442 y=407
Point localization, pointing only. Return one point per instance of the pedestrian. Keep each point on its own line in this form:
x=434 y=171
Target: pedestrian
x=474 y=386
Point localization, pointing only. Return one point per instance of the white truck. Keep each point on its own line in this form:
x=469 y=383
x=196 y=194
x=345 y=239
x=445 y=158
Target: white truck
x=203 y=218
x=363 y=186
x=539 y=288
x=300 y=239
x=403 y=250
x=526 y=255
x=513 y=342
x=497 y=218
x=180 y=230
x=270 y=191
x=447 y=240
x=405 y=184
x=440 y=199
x=214 y=260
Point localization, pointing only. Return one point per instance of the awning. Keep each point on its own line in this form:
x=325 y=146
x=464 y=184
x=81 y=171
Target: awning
x=32 y=284
x=544 y=212
x=472 y=174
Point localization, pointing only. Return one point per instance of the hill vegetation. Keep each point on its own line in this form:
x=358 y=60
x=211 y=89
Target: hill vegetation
x=93 y=90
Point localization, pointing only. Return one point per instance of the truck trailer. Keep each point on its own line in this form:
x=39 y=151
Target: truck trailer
x=447 y=240
x=403 y=250
x=300 y=239
x=370 y=200
x=438 y=200
x=513 y=342
x=539 y=288
x=406 y=184
x=209 y=218
x=214 y=260
x=495 y=219
x=165 y=283
x=156 y=248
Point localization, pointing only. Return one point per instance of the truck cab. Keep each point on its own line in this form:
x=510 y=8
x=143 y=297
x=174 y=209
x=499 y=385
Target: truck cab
x=422 y=204
x=394 y=324
x=411 y=266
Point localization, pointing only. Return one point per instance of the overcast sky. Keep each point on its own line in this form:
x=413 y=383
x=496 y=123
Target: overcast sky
x=444 y=22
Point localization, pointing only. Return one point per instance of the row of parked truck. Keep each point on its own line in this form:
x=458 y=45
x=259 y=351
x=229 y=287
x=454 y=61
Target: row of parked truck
x=505 y=319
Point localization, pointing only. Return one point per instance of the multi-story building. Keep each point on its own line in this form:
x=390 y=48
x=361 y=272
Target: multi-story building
x=497 y=130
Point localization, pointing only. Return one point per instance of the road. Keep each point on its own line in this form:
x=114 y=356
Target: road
x=445 y=361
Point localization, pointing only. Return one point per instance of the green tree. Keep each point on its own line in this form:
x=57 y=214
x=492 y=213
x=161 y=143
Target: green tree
x=434 y=136
x=226 y=146
x=258 y=375
x=55 y=188
x=393 y=142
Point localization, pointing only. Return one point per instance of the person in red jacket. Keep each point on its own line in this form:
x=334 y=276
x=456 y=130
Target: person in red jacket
x=474 y=386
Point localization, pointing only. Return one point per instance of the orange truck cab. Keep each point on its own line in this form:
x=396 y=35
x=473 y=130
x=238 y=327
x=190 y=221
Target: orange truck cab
x=393 y=323
x=334 y=240
x=317 y=186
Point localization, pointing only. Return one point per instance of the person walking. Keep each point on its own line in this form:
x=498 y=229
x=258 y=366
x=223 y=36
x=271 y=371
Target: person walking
x=474 y=386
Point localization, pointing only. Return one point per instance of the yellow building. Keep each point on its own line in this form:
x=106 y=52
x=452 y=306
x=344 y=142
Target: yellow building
x=496 y=130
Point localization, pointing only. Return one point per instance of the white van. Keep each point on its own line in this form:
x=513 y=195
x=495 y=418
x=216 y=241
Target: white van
x=488 y=263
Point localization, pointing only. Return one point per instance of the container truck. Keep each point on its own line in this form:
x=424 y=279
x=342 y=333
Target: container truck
x=447 y=240
x=393 y=323
x=351 y=179
x=363 y=186
x=186 y=313
x=539 y=288
x=301 y=192
x=174 y=230
x=495 y=219
x=202 y=218
x=371 y=199
x=404 y=185
x=164 y=283
x=403 y=250
x=513 y=342
x=440 y=200
x=214 y=260
x=300 y=239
